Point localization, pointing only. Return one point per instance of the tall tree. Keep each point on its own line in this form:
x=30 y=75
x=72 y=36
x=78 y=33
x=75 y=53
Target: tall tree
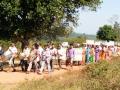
x=117 y=30
x=25 y=19
x=106 y=33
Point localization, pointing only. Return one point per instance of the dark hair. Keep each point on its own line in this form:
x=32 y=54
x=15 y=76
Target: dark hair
x=71 y=44
x=36 y=46
x=53 y=44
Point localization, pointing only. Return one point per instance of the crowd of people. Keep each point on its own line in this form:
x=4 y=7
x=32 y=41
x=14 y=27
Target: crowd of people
x=39 y=59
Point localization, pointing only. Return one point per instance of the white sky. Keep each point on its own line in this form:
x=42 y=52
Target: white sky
x=89 y=21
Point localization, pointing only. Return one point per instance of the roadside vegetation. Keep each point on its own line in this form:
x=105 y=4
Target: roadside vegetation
x=103 y=75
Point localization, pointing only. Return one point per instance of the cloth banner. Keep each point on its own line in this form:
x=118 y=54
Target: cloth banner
x=78 y=54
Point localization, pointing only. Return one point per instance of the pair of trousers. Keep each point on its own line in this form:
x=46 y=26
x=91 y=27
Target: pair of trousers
x=11 y=62
x=24 y=65
x=51 y=64
x=45 y=63
x=33 y=63
x=87 y=58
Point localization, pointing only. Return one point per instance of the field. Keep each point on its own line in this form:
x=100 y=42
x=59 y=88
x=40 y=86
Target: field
x=104 y=75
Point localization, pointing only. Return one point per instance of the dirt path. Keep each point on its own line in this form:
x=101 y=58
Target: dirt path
x=11 y=79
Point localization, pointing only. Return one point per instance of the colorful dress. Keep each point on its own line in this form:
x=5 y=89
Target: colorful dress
x=87 y=54
x=97 y=52
x=103 y=54
x=91 y=55
x=70 y=54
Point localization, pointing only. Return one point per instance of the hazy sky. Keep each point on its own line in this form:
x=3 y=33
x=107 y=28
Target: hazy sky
x=89 y=22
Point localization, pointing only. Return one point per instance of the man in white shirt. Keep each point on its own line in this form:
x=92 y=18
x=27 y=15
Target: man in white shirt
x=40 y=50
x=60 y=54
x=14 y=52
x=54 y=56
x=24 y=60
x=46 y=57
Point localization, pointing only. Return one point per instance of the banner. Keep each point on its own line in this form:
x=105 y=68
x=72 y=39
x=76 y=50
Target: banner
x=78 y=54
x=64 y=54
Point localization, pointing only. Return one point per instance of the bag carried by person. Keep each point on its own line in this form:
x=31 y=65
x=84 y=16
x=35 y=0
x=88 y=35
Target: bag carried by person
x=1 y=52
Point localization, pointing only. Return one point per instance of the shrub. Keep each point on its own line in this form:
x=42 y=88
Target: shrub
x=103 y=75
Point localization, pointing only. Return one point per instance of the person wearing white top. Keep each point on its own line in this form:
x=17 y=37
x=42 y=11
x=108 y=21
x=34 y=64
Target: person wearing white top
x=14 y=51
x=46 y=57
x=34 y=59
x=54 y=56
x=60 y=55
x=24 y=60
x=40 y=50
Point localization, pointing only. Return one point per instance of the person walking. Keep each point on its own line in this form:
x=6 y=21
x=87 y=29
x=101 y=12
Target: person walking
x=54 y=56
x=1 y=58
x=60 y=55
x=14 y=52
x=70 y=54
x=92 y=54
x=87 y=54
x=34 y=59
x=25 y=59
x=45 y=61
x=97 y=52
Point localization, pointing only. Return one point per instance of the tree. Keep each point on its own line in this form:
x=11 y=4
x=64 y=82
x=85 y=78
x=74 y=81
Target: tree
x=24 y=19
x=106 y=33
x=117 y=30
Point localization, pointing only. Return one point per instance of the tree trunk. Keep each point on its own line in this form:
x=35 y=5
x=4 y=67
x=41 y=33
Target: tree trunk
x=24 y=42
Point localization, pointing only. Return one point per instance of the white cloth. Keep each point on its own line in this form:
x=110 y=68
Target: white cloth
x=78 y=54
x=13 y=49
x=40 y=50
x=64 y=54
x=26 y=52
x=46 y=54
x=54 y=53
x=60 y=53
x=8 y=54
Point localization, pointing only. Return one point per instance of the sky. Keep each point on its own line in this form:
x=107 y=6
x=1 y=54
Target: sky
x=90 y=21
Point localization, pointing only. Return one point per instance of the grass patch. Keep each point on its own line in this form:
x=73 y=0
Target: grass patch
x=99 y=76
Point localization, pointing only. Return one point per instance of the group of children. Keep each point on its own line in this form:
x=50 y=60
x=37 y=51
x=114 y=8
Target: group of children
x=40 y=58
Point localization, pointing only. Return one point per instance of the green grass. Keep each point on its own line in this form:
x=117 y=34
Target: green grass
x=100 y=76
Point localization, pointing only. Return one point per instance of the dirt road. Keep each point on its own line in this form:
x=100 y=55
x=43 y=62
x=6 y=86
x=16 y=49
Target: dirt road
x=11 y=79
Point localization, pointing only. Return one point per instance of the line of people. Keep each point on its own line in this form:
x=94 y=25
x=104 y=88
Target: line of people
x=39 y=59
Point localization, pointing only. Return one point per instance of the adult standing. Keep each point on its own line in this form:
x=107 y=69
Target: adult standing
x=54 y=56
x=97 y=52
x=14 y=52
x=70 y=54
x=1 y=58
x=83 y=55
x=92 y=53
x=40 y=50
x=60 y=55
x=25 y=59
x=87 y=54
x=34 y=58
x=45 y=61
x=103 y=53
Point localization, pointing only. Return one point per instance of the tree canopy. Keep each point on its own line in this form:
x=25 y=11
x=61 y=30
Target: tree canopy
x=107 y=32
x=25 y=19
